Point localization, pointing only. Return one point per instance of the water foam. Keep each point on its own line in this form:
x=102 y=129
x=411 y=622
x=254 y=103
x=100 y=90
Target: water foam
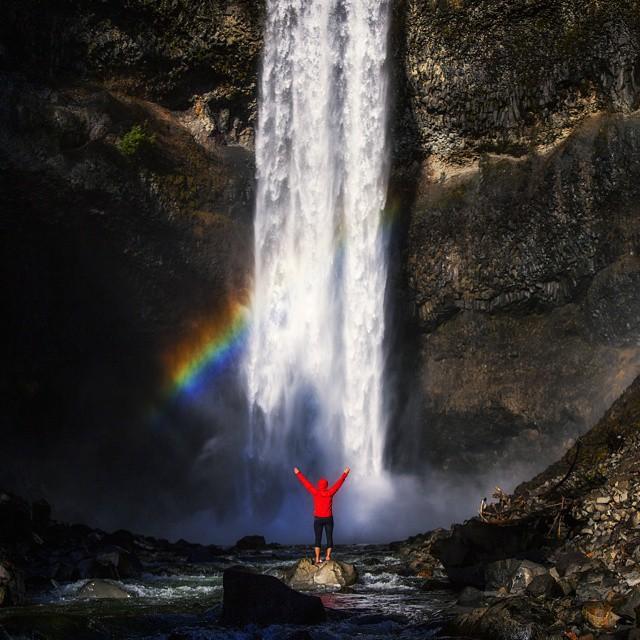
x=315 y=361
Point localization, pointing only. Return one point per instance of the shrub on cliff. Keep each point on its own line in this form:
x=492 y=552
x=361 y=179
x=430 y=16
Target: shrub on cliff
x=135 y=140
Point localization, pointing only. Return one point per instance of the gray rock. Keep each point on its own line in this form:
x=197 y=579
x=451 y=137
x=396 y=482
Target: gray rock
x=115 y=563
x=544 y=585
x=594 y=585
x=524 y=574
x=332 y=574
x=102 y=589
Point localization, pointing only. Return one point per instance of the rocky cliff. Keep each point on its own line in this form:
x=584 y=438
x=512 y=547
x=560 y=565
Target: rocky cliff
x=126 y=132
x=518 y=140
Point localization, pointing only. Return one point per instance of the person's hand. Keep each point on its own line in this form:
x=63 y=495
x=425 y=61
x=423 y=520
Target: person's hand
x=296 y=470
x=346 y=469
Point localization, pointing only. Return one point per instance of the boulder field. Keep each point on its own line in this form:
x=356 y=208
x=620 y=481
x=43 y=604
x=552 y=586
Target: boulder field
x=559 y=557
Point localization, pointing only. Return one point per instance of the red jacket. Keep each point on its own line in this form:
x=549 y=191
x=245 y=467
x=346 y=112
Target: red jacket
x=322 y=494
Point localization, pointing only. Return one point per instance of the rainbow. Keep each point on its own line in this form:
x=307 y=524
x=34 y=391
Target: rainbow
x=214 y=342
x=212 y=346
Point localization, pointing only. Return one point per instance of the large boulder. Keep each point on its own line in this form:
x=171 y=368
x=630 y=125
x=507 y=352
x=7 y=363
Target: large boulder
x=512 y=574
x=470 y=547
x=102 y=589
x=254 y=598
x=251 y=543
x=115 y=563
x=333 y=574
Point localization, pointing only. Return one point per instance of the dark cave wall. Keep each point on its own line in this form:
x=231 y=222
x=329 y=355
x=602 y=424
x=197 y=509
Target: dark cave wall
x=111 y=263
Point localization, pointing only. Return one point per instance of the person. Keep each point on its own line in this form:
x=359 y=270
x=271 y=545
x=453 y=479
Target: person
x=322 y=509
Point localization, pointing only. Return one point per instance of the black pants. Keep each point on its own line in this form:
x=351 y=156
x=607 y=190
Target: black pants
x=327 y=525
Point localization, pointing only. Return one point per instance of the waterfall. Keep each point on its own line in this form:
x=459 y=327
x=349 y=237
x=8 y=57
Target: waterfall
x=315 y=363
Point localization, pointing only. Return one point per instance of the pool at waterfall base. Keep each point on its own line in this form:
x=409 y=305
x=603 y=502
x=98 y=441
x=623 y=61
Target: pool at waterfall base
x=184 y=602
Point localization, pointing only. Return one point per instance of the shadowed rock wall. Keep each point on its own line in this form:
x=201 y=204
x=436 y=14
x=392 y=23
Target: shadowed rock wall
x=518 y=133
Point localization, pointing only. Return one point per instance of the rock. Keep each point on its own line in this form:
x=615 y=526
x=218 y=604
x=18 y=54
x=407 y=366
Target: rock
x=15 y=519
x=569 y=562
x=469 y=596
x=594 y=585
x=251 y=543
x=544 y=585
x=499 y=573
x=306 y=575
x=201 y=553
x=253 y=598
x=470 y=547
x=40 y=515
x=121 y=538
x=600 y=615
x=626 y=605
x=115 y=563
x=505 y=619
x=12 y=584
x=524 y=574
x=102 y=589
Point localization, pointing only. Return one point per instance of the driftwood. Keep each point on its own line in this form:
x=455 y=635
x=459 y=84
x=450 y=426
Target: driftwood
x=511 y=509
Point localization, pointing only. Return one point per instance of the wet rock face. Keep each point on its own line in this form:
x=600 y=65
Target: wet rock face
x=522 y=239
x=500 y=76
x=167 y=52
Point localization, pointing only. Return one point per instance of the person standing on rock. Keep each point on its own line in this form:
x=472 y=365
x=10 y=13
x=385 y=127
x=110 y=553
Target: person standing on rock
x=322 y=508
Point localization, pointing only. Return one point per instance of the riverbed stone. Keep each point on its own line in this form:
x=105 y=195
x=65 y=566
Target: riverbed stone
x=333 y=574
x=600 y=615
x=253 y=598
x=102 y=589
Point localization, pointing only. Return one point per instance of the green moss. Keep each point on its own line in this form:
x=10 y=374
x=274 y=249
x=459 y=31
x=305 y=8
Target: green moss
x=135 y=140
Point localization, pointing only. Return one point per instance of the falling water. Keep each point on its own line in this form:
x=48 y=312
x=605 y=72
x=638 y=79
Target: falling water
x=315 y=360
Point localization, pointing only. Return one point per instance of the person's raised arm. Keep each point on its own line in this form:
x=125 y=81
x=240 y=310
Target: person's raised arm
x=339 y=482
x=305 y=483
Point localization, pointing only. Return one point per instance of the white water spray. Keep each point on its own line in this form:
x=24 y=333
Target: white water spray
x=315 y=360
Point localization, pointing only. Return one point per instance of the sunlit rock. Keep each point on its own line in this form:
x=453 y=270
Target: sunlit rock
x=306 y=575
x=251 y=543
x=102 y=589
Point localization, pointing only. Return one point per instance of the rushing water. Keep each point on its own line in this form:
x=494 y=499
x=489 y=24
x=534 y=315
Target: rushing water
x=315 y=364
x=183 y=602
